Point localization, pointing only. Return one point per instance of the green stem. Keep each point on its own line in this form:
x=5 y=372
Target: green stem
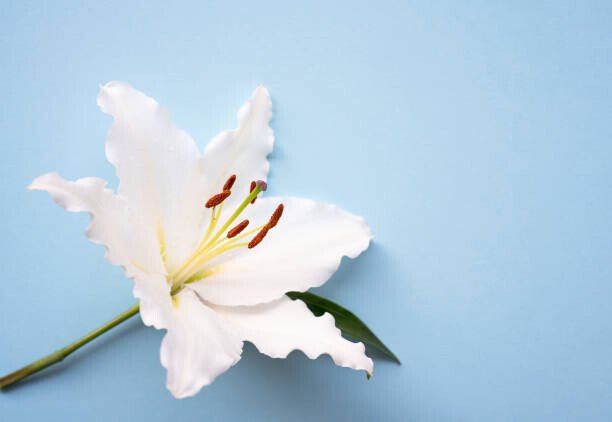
x=62 y=353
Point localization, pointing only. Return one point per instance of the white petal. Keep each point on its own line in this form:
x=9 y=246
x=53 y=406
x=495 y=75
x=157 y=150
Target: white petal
x=198 y=346
x=128 y=243
x=157 y=164
x=279 y=327
x=241 y=151
x=301 y=252
x=153 y=293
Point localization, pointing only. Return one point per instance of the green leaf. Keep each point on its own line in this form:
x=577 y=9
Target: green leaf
x=348 y=323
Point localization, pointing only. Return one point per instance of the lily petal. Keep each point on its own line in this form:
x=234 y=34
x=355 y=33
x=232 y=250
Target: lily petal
x=301 y=252
x=158 y=167
x=198 y=346
x=241 y=151
x=128 y=242
x=279 y=327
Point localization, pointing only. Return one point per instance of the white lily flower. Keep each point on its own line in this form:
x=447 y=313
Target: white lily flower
x=198 y=272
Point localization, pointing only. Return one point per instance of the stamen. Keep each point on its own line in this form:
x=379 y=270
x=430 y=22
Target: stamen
x=217 y=199
x=236 y=230
x=206 y=272
x=251 y=190
x=276 y=215
x=259 y=186
x=258 y=237
x=210 y=247
x=229 y=182
x=223 y=249
x=240 y=236
x=214 y=218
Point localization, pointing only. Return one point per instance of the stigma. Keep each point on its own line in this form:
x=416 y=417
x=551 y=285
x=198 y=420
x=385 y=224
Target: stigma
x=229 y=236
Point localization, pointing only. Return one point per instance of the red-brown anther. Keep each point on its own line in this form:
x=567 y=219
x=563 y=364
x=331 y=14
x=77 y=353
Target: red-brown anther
x=229 y=182
x=276 y=215
x=253 y=184
x=236 y=230
x=258 y=237
x=217 y=199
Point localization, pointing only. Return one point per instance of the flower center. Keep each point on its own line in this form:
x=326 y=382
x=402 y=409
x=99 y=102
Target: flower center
x=225 y=239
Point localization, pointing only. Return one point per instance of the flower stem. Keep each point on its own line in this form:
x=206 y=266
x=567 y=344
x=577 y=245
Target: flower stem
x=62 y=353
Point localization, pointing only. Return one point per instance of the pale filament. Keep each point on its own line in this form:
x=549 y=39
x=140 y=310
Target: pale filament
x=211 y=246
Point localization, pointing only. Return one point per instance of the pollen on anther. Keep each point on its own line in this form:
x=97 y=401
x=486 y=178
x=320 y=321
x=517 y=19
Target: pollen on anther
x=258 y=237
x=276 y=215
x=217 y=199
x=236 y=230
x=229 y=182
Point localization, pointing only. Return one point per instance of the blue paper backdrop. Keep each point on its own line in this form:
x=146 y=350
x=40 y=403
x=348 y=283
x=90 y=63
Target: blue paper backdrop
x=475 y=138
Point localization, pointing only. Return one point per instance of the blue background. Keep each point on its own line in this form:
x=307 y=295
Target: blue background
x=475 y=138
